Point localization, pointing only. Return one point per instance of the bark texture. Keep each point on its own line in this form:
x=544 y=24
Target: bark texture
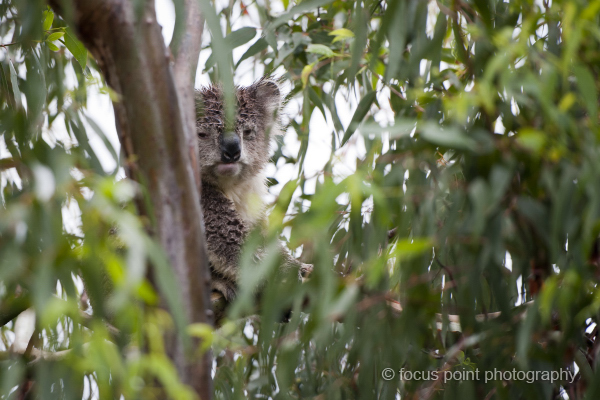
x=155 y=122
x=185 y=47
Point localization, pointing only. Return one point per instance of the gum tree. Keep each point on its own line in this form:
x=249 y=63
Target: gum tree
x=154 y=110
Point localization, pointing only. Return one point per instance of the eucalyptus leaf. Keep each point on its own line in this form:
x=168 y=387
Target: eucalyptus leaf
x=48 y=19
x=446 y=136
x=76 y=48
x=258 y=46
x=55 y=36
x=361 y=111
x=341 y=34
x=14 y=80
x=587 y=86
x=321 y=50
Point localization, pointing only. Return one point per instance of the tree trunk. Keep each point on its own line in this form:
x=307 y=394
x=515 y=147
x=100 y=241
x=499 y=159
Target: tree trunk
x=156 y=125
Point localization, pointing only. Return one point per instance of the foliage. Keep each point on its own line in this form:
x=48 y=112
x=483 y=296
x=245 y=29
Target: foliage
x=485 y=177
x=64 y=218
x=462 y=239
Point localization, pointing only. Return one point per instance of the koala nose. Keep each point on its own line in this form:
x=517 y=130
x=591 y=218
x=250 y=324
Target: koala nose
x=230 y=148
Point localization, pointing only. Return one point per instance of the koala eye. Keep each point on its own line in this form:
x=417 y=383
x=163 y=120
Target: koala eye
x=247 y=132
x=202 y=135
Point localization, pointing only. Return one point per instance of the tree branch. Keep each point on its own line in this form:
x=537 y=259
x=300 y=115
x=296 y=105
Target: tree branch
x=154 y=128
x=185 y=47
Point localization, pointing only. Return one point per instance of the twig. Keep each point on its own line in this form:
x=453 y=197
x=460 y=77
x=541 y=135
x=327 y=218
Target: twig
x=450 y=355
x=87 y=318
x=6 y=163
x=39 y=355
x=35 y=338
x=397 y=93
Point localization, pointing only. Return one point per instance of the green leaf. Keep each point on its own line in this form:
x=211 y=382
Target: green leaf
x=102 y=135
x=48 y=19
x=76 y=48
x=301 y=8
x=15 y=84
x=531 y=139
x=587 y=87
x=446 y=136
x=314 y=97
x=78 y=130
x=436 y=47
x=233 y=40
x=360 y=42
x=321 y=50
x=406 y=249
x=306 y=73
x=258 y=46
x=341 y=34
x=240 y=37
x=203 y=331
x=395 y=23
x=359 y=114
x=14 y=371
x=55 y=36
x=547 y=298
x=401 y=128
x=167 y=285
x=52 y=46
x=223 y=58
x=272 y=181
x=344 y=301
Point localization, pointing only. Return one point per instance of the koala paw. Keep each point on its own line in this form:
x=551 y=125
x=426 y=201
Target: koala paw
x=225 y=288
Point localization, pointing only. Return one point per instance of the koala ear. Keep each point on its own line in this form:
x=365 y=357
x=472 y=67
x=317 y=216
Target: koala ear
x=268 y=92
x=198 y=103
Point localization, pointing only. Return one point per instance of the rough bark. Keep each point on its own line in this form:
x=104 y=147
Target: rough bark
x=155 y=124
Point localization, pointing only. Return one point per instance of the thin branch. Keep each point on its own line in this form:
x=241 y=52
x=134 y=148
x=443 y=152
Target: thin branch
x=6 y=163
x=87 y=318
x=448 y=271
x=35 y=339
x=392 y=89
x=454 y=320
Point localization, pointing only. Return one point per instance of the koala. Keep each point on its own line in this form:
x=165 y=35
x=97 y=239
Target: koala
x=232 y=157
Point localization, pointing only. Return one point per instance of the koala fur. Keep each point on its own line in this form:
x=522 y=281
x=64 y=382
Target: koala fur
x=232 y=157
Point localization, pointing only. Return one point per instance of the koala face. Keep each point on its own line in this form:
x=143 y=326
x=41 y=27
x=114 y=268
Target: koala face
x=233 y=152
